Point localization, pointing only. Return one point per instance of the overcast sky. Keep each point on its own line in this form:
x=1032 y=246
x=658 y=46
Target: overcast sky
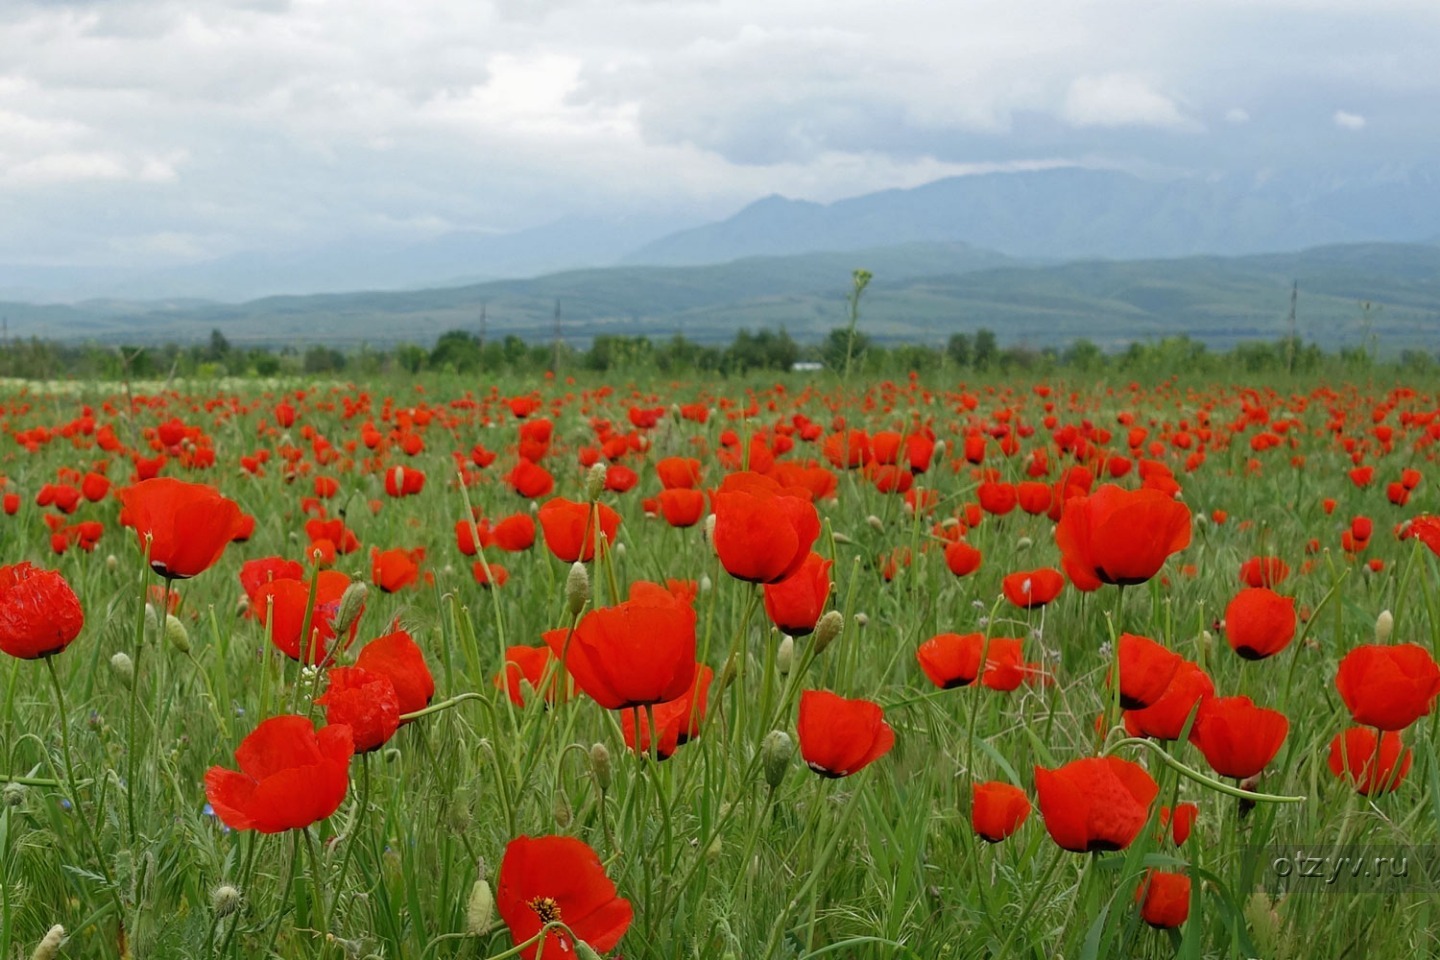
x=152 y=131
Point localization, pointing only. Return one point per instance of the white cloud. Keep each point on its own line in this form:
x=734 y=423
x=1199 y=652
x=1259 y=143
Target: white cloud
x=1115 y=100
x=1346 y=120
x=1237 y=115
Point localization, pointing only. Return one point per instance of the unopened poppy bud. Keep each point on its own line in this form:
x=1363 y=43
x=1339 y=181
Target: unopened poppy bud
x=785 y=655
x=562 y=810
x=49 y=947
x=712 y=852
x=479 y=909
x=577 y=588
x=827 y=628
x=112 y=562
x=1207 y=639
x=600 y=766
x=225 y=901
x=152 y=619
x=710 y=530
x=775 y=752
x=352 y=601
x=705 y=583
x=594 y=482
x=124 y=669
x=242 y=606
x=1024 y=543
x=176 y=634
x=1384 y=626
x=841 y=538
x=391 y=755
x=620 y=551
x=14 y=794
x=862 y=619
x=583 y=951
x=875 y=523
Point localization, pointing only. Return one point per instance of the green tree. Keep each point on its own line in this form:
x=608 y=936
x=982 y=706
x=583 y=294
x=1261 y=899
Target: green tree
x=987 y=349
x=957 y=349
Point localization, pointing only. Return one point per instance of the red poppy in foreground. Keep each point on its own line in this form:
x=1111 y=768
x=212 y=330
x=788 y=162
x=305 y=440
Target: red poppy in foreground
x=1099 y=803
x=676 y=722
x=1166 y=899
x=290 y=776
x=1166 y=718
x=839 y=737
x=1120 y=536
x=397 y=656
x=363 y=701
x=396 y=569
x=286 y=599
x=763 y=532
x=189 y=524
x=1259 y=623
x=1389 y=687
x=1353 y=757
x=1028 y=589
x=569 y=528
x=39 y=613
x=796 y=603
x=638 y=652
x=547 y=879
x=1146 y=670
x=1237 y=737
x=997 y=809
x=953 y=660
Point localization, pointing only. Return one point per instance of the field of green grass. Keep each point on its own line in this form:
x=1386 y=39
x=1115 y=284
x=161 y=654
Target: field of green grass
x=734 y=845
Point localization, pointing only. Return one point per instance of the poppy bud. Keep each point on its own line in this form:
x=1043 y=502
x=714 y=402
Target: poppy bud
x=875 y=523
x=1024 y=543
x=49 y=947
x=352 y=602
x=1384 y=626
x=827 y=628
x=176 y=633
x=577 y=588
x=562 y=810
x=595 y=482
x=620 y=551
x=710 y=530
x=225 y=901
x=124 y=669
x=600 y=766
x=785 y=656
x=479 y=909
x=152 y=620
x=583 y=951
x=775 y=752
x=862 y=619
x=705 y=583
x=112 y=562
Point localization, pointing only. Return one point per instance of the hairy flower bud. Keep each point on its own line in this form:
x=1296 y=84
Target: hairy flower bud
x=775 y=752
x=176 y=634
x=600 y=766
x=785 y=655
x=352 y=601
x=577 y=588
x=224 y=901
x=827 y=628
x=1384 y=626
x=595 y=482
x=875 y=523
x=479 y=909
x=124 y=669
x=49 y=947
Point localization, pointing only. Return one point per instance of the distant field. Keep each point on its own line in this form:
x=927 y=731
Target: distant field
x=963 y=558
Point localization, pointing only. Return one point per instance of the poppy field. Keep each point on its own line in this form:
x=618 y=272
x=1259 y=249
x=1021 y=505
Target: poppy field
x=575 y=668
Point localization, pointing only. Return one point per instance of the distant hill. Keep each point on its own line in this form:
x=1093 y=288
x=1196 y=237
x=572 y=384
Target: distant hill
x=921 y=292
x=1072 y=213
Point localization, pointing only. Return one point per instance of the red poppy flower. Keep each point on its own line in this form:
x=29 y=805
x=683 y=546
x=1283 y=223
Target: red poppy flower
x=290 y=776
x=1237 y=737
x=530 y=480
x=796 y=603
x=1120 y=536
x=1180 y=821
x=839 y=737
x=1146 y=669
x=1263 y=571
x=363 y=701
x=1389 y=687
x=638 y=652
x=1164 y=899
x=678 y=473
x=681 y=506
x=39 y=613
x=763 y=532
x=1165 y=719
x=403 y=481
x=1353 y=757
x=676 y=722
x=393 y=570
x=397 y=656
x=288 y=599
x=1099 y=803
x=189 y=524
x=529 y=664
x=953 y=660
x=569 y=528
x=1259 y=623
x=961 y=558
x=545 y=879
x=997 y=809
x=514 y=534
x=1028 y=589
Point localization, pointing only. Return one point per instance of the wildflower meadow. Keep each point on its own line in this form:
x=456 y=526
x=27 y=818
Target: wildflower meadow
x=797 y=668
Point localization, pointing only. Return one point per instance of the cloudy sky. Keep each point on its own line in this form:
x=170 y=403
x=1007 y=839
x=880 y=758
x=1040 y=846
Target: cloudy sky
x=142 y=132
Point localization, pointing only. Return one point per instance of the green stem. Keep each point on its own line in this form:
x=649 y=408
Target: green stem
x=1200 y=778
